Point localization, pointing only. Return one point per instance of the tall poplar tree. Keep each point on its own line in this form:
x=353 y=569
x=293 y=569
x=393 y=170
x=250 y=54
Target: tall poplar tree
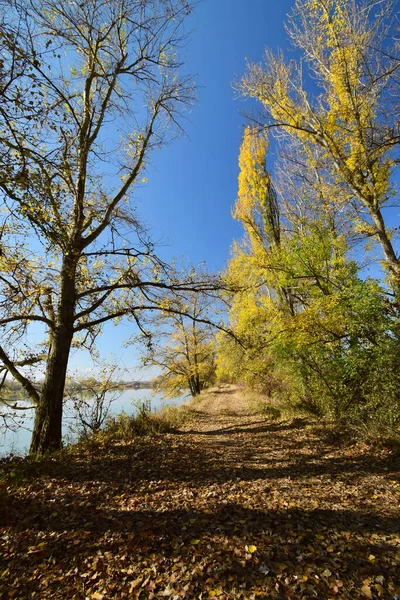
x=350 y=54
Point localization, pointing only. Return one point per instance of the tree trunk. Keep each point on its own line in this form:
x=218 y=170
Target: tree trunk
x=391 y=259
x=47 y=429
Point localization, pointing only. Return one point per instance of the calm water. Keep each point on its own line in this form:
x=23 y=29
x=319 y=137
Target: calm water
x=17 y=441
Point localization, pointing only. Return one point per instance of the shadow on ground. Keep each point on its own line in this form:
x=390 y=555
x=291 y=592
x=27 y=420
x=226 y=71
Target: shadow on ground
x=182 y=511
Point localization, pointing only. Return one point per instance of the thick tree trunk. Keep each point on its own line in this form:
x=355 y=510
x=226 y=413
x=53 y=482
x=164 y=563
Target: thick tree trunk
x=47 y=429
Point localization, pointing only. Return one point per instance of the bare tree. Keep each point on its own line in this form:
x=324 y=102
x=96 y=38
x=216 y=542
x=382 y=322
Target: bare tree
x=92 y=397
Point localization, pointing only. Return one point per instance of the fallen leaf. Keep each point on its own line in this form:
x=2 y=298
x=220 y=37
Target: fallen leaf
x=366 y=590
x=326 y=573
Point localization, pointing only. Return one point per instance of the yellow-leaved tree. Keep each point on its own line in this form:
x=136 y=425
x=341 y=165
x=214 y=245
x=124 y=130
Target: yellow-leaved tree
x=312 y=330
x=343 y=97
x=95 y=89
x=182 y=344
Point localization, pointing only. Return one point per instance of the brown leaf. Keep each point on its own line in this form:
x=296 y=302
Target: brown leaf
x=366 y=590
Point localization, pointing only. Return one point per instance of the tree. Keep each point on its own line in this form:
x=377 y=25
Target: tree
x=335 y=116
x=183 y=345
x=333 y=347
x=106 y=75
x=349 y=54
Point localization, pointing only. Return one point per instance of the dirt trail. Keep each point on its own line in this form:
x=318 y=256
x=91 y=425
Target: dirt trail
x=222 y=402
x=232 y=506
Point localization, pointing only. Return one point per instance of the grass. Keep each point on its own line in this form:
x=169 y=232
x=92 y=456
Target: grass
x=271 y=408
x=371 y=433
x=125 y=427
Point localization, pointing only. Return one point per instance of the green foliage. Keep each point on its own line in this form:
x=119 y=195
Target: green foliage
x=353 y=373
x=314 y=332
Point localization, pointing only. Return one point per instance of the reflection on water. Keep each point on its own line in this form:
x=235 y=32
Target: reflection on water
x=17 y=439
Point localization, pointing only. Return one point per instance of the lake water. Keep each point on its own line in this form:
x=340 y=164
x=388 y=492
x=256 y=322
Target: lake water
x=17 y=439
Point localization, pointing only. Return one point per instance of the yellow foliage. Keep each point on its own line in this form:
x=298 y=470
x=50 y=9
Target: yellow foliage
x=338 y=40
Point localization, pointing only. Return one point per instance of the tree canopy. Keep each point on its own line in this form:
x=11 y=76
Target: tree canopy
x=316 y=330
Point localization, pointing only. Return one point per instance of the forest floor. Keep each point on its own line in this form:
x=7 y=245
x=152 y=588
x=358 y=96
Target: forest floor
x=232 y=506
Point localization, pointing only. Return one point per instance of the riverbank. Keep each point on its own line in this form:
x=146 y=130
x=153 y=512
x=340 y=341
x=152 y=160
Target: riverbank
x=16 y=439
x=232 y=505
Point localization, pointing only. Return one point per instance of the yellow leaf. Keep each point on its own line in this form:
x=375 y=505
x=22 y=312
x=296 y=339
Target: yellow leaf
x=194 y=542
x=366 y=590
x=327 y=573
x=371 y=557
x=252 y=549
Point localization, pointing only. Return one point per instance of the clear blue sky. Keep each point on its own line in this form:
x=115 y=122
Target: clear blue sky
x=193 y=182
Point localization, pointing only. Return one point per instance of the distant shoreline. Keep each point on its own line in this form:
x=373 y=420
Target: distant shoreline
x=136 y=385
x=15 y=392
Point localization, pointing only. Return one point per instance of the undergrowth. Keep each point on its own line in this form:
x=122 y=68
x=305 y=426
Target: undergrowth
x=145 y=422
x=373 y=432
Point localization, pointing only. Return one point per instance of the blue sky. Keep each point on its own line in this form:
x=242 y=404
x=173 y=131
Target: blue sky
x=192 y=183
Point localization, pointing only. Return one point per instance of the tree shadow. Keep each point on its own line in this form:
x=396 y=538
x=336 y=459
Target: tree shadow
x=222 y=390
x=287 y=543
x=171 y=458
x=176 y=502
x=253 y=428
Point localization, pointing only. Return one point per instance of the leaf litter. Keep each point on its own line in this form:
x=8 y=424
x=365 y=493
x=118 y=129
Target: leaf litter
x=233 y=506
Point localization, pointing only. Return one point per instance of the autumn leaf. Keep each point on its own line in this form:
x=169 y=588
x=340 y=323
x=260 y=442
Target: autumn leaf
x=366 y=591
x=326 y=573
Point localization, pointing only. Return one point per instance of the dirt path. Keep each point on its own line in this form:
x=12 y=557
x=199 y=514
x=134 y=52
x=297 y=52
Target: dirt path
x=233 y=506
x=220 y=403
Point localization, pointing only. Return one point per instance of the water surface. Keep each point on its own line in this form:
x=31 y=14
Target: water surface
x=16 y=440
